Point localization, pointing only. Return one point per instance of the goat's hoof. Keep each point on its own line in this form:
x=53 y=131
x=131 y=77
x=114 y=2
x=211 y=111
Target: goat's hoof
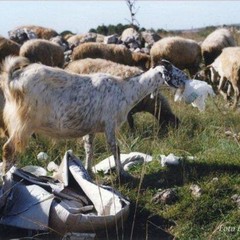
x=125 y=177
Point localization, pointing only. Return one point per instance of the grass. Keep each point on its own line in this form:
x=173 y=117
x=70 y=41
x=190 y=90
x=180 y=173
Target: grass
x=203 y=135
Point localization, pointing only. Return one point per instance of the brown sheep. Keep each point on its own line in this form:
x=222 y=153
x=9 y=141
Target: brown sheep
x=141 y=60
x=44 y=51
x=214 y=43
x=158 y=106
x=8 y=47
x=113 y=52
x=183 y=53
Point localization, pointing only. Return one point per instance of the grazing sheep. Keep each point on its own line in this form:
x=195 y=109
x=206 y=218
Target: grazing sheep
x=227 y=67
x=214 y=43
x=54 y=102
x=113 y=52
x=157 y=106
x=183 y=53
x=44 y=51
x=141 y=60
x=40 y=32
x=76 y=40
x=8 y=47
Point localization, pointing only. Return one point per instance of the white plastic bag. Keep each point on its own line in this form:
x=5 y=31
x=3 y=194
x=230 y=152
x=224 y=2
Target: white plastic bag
x=195 y=92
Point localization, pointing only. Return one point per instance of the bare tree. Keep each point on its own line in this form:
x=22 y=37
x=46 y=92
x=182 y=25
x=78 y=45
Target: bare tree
x=133 y=11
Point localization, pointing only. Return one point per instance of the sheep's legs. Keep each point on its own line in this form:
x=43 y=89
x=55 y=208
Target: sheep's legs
x=236 y=97
x=88 y=146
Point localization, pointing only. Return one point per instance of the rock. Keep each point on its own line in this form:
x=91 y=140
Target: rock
x=167 y=196
x=196 y=190
x=236 y=198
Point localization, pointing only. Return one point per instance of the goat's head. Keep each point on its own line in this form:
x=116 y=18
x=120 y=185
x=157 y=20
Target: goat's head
x=173 y=76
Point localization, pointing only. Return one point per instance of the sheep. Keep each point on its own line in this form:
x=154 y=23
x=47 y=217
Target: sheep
x=213 y=44
x=44 y=51
x=131 y=38
x=40 y=32
x=157 y=106
x=183 y=53
x=227 y=67
x=113 y=52
x=54 y=102
x=8 y=47
x=141 y=60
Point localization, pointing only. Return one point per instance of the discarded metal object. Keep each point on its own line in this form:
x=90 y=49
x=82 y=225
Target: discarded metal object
x=69 y=203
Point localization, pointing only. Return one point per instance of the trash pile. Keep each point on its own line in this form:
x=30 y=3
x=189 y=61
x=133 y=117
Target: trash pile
x=71 y=202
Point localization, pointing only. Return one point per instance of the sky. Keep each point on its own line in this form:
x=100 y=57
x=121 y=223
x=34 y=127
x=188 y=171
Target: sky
x=80 y=16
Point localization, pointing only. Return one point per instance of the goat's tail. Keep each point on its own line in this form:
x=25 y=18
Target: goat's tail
x=12 y=64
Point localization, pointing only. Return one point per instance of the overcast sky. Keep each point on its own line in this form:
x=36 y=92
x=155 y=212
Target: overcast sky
x=80 y=16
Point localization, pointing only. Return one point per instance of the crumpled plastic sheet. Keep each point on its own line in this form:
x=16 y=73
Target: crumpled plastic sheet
x=127 y=160
x=70 y=203
x=195 y=92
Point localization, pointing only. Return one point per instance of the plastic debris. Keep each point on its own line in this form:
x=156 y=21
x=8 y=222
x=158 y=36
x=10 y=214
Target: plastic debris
x=35 y=170
x=196 y=190
x=42 y=156
x=127 y=160
x=75 y=204
x=170 y=159
x=195 y=93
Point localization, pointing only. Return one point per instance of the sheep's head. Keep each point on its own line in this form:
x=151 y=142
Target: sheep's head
x=173 y=76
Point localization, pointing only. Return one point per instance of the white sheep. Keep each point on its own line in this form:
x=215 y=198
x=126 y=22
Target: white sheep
x=183 y=53
x=54 y=102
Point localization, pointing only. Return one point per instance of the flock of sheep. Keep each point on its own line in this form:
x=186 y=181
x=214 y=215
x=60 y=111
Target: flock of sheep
x=75 y=86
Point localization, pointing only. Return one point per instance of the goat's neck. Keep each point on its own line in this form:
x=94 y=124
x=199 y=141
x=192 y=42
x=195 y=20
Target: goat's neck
x=137 y=87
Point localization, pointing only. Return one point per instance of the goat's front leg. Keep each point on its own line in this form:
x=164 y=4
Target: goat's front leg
x=111 y=140
x=88 y=146
x=8 y=156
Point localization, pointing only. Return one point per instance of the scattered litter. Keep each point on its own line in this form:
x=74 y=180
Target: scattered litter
x=35 y=170
x=127 y=160
x=196 y=190
x=52 y=167
x=42 y=156
x=76 y=205
x=195 y=92
x=171 y=159
x=167 y=196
